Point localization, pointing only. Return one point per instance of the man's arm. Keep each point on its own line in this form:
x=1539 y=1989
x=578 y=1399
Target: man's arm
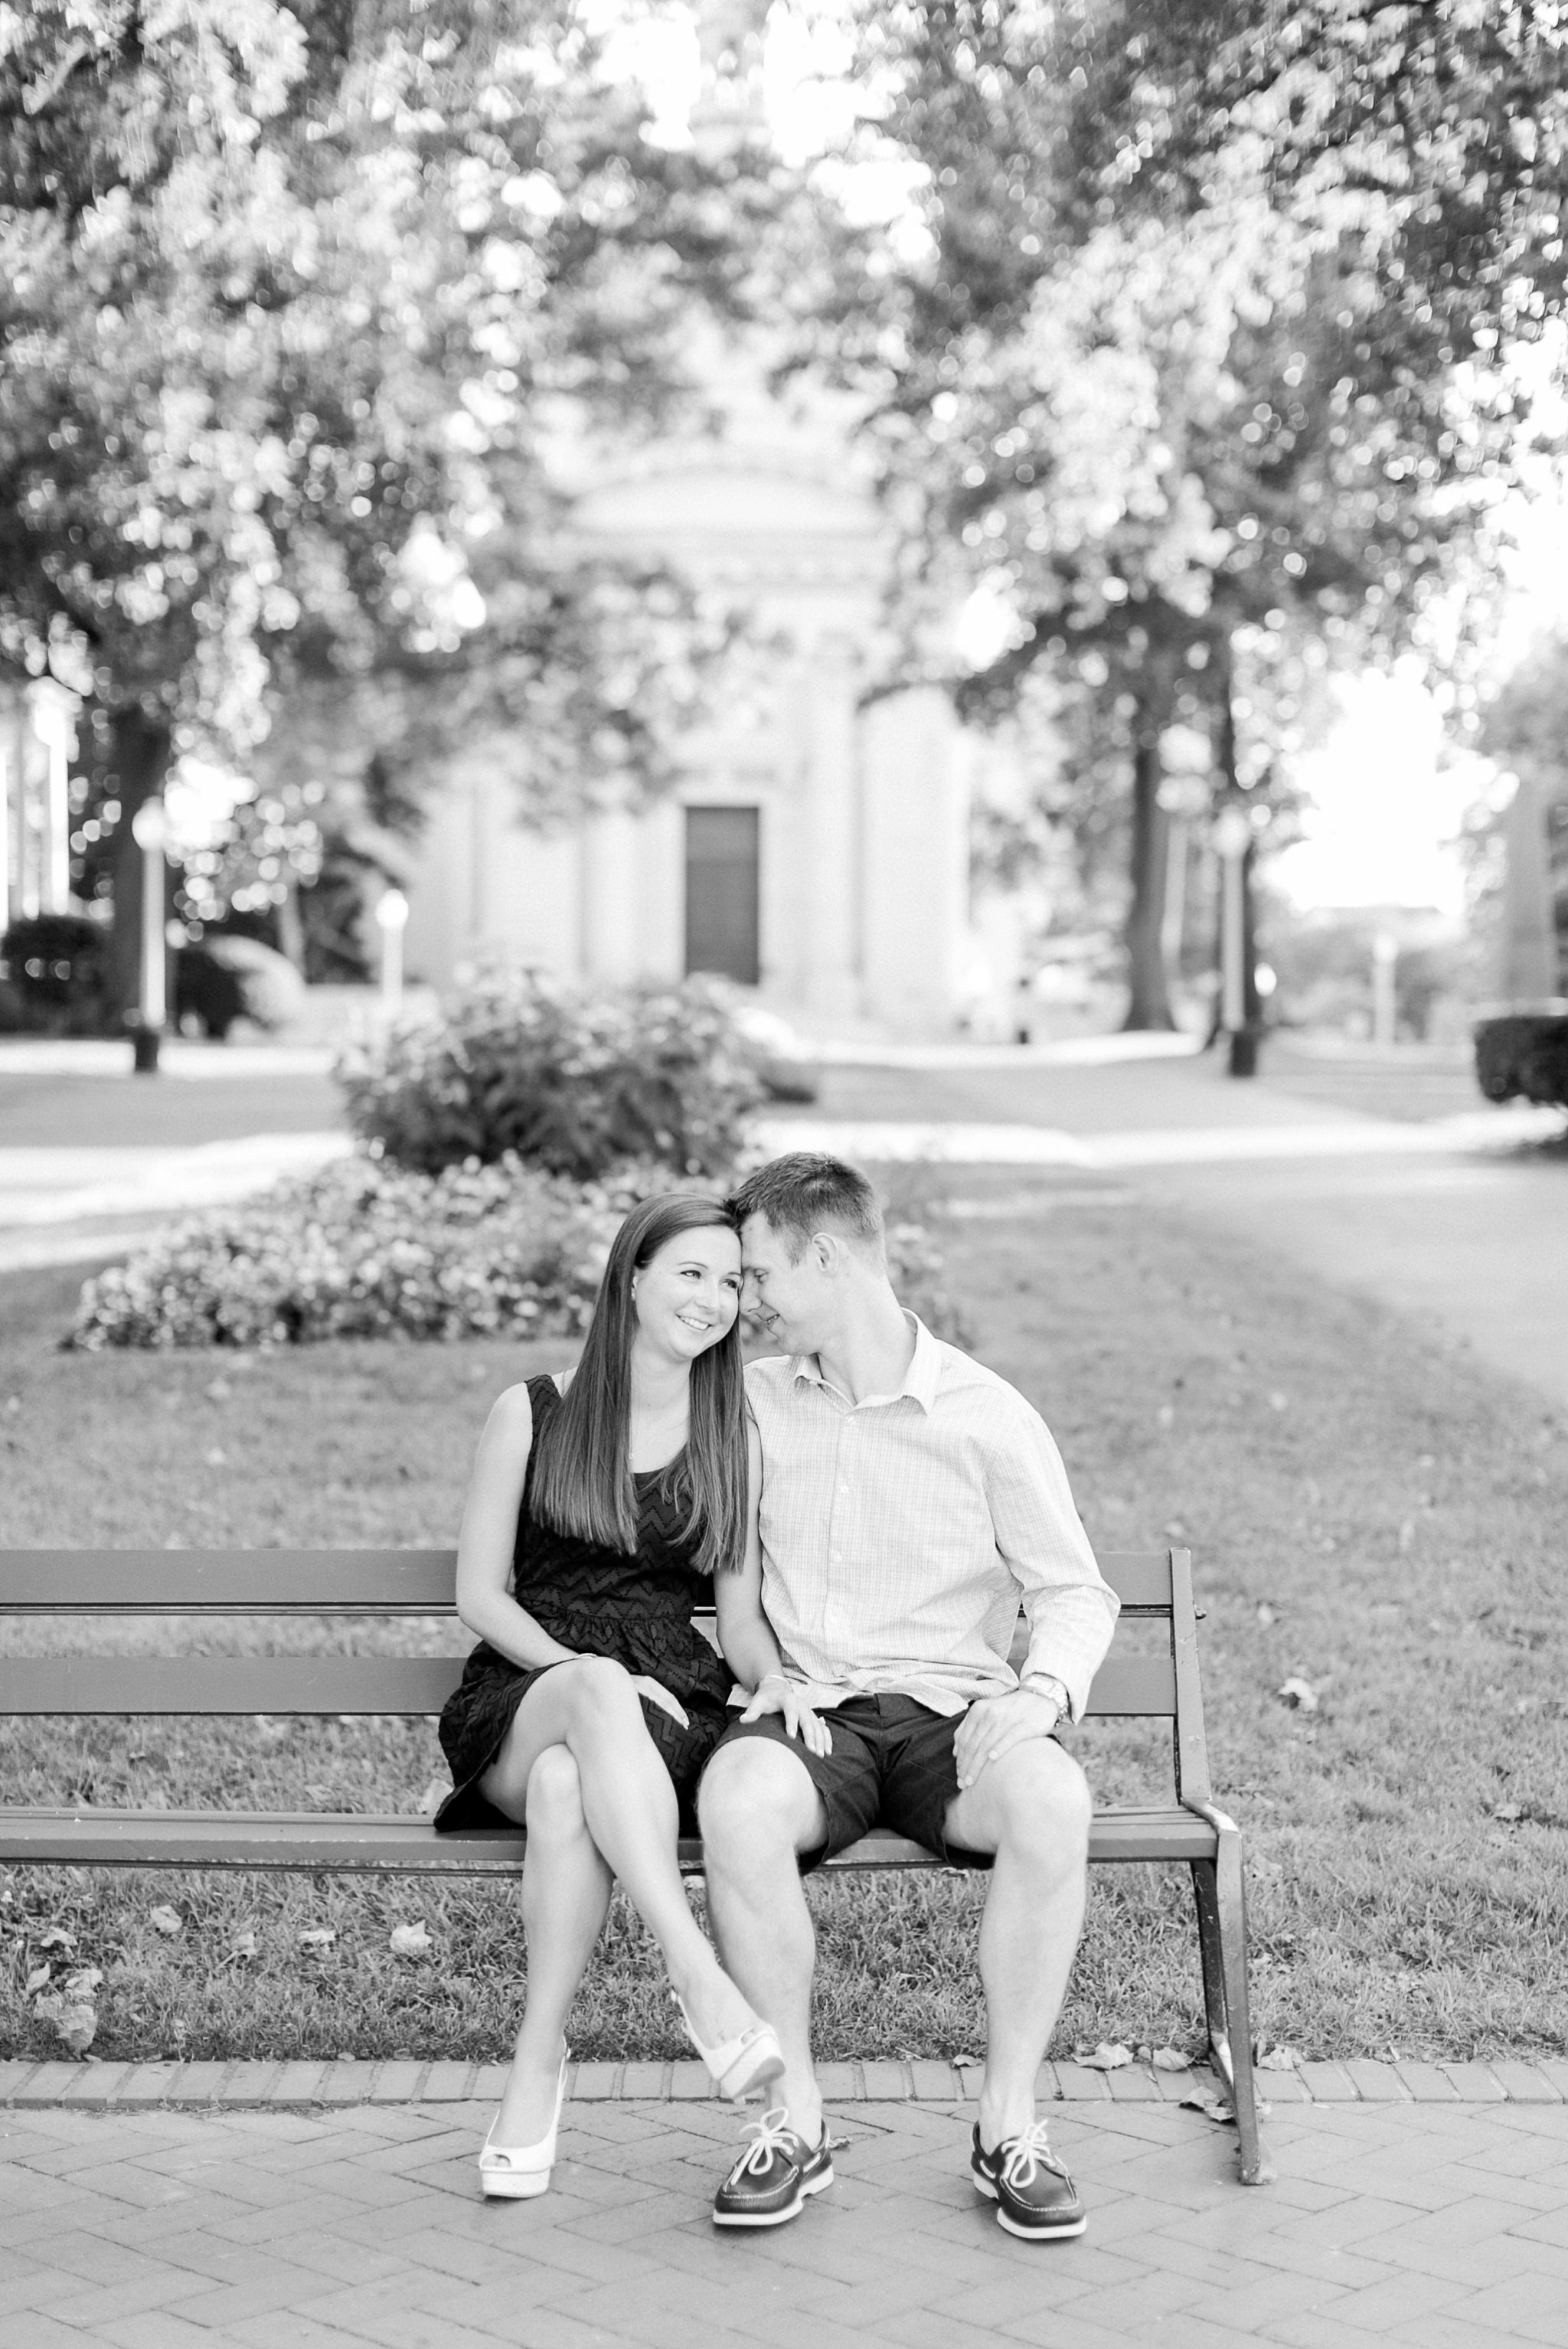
x=1071 y=1608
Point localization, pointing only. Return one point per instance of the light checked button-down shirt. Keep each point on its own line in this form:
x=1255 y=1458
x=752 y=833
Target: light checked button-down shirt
x=899 y=1535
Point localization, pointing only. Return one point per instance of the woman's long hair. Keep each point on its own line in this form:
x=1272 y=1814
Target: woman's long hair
x=582 y=1482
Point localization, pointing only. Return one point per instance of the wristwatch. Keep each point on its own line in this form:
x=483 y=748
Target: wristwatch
x=1047 y=1684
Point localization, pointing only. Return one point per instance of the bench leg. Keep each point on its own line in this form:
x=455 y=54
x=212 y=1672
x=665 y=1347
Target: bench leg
x=1221 y=1898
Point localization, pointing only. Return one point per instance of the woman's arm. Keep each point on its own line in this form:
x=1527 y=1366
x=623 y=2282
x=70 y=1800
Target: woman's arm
x=745 y=1634
x=489 y=1536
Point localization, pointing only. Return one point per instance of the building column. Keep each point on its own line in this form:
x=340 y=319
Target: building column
x=611 y=923
x=917 y=899
x=830 y=834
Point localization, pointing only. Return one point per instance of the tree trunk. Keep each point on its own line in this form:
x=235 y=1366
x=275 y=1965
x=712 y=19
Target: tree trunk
x=1148 y=1002
x=141 y=754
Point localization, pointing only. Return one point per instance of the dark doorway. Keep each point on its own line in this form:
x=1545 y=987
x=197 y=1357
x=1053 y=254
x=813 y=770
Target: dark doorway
x=721 y=873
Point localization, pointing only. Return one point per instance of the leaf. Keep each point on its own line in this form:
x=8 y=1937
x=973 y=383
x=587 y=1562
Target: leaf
x=1107 y=2057
x=318 y=1937
x=54 y=1936
x=243 y=1946
x=1170 y=2059
x=1208 y=2102
x=434 y=1795
x=1278 y=2059
x=77 y=2026
x=409 y=1941
x=1298 y=1694
x=37 y=1979
x=1508 y=1812
x=83 y=1983
x=168 y=1920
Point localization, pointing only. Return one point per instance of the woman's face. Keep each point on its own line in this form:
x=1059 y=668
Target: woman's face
x=687 y=1294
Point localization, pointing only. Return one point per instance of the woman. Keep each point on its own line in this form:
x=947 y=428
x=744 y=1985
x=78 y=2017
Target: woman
x=597 y=1508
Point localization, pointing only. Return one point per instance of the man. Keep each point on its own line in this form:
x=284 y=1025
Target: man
x=909 y=1498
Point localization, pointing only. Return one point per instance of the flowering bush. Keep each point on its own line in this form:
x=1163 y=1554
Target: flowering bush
x=366 y=1249
x=571 y=1082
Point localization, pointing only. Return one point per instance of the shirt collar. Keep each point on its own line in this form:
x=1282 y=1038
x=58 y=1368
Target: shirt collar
x=919 y=1381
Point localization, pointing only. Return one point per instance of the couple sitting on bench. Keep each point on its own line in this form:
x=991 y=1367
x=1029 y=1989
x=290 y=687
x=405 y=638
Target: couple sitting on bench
x=868 y=1506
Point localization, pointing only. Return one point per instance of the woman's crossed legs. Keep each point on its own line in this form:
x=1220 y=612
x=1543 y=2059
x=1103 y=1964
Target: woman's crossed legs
x=579 y=1769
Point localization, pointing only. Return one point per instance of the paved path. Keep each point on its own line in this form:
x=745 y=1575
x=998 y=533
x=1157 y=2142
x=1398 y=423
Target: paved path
x=1443 y=2228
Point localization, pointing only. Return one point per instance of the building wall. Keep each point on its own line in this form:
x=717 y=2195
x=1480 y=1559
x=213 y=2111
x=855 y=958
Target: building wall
x=864 y=807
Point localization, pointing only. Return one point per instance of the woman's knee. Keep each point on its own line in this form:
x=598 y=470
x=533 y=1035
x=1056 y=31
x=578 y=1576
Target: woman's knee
x=599 y=1689
x=555 y=1798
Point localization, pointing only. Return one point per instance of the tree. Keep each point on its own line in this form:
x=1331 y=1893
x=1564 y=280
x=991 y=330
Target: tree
x=1202 y=360
x=287 y=316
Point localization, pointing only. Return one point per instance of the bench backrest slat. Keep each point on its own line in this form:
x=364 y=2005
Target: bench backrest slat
x=1125 y=1685
x=227 y=1582
x=320 y=1582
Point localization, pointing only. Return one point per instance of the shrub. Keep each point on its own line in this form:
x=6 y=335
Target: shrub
x=366 y=1249
x=55 y=971
x=1523 y=1053
x=571 y=1082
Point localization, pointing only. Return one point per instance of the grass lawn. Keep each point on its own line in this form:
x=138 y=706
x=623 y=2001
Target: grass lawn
x=1368 y=1511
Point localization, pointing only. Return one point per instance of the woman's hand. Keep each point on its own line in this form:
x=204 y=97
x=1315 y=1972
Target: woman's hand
x=774 y=1692
x=657 y=1693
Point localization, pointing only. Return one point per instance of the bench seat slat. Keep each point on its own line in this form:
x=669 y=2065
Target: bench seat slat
x=88 y=1838
x=360 y=1684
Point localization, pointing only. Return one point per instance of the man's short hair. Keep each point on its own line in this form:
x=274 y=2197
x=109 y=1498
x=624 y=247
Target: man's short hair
x=806 y=1192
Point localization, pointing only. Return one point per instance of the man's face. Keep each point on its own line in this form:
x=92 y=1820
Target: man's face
x=789 y=1301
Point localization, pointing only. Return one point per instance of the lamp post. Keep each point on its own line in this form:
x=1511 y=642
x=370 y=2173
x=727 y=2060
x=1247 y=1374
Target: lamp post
x=391 y=920
x=1384 y=1006
x=1233 y=838
x=149 y=830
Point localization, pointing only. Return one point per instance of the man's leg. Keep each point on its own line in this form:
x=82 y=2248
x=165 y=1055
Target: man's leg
x=1033 y=1809
x=758 y=1810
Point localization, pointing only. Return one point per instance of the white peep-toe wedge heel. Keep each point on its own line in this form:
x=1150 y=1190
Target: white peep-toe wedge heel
x=512 y=2173
x=737 y=2065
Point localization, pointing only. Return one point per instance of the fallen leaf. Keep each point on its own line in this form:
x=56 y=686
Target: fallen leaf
x=409 y=1941
x=1278 y=2059
x=166 y=1920
x=1170 y=2059
x=434 y=1795
x=320 y=1937
x=37 y=1979
x=1299 y=1693
x=1508 y=1812
x=243 y=1946
x=54 y=1936
x=1208 y=2102
x=77 y=2026
x=83 y=1983
x=1107 y=2057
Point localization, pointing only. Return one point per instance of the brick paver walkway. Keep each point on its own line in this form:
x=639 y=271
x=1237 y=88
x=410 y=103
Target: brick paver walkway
x=1439 y=2224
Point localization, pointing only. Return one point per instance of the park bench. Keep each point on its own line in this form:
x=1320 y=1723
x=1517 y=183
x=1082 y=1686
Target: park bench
x=388 y=1584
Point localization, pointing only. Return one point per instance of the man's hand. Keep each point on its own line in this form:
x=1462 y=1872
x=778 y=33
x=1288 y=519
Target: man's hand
x=657 y=1693
x=777 y=1693
x=994 y=1724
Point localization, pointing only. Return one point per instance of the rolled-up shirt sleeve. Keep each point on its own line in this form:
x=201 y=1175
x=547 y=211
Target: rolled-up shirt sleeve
x=1070 y=1607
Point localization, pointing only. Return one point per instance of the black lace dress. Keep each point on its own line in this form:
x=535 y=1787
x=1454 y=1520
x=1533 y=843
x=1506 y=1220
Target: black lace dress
x=636 y=1607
